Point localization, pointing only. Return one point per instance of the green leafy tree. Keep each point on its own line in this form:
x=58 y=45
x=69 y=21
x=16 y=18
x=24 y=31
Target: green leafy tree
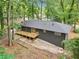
x=63 y=9
x=72 y=46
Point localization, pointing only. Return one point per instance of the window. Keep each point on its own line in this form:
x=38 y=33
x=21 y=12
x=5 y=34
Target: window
x=58 y=34
x=33 y=30
x=44 y=31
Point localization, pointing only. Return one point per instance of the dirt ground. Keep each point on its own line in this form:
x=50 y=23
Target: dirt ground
x=28 y=53
x=73 y=35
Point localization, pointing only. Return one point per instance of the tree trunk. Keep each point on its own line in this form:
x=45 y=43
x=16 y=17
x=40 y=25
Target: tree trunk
x=1 y=18
x=28 y=17
x=71 y=8
x=41 y=10
x=24 y=15
x=8 y=23
x=32 y=10
x=74 y=25
x=12 y=23
x=62 y=5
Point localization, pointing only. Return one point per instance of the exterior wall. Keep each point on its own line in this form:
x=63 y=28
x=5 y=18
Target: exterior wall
x=51 y=37
x=48 y=36
x=26 y=29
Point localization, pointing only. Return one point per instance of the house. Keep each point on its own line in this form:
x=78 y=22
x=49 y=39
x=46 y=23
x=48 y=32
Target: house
x=50 y=31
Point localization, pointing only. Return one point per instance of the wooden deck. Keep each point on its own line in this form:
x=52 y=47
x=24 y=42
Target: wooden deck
x=39 y=44
x=31 y=35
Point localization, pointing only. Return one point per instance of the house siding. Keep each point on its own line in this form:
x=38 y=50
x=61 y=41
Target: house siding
x=51 y=37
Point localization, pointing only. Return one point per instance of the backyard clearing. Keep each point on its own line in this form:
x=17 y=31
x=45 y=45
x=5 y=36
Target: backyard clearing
x=29 y=52
x=33 y=49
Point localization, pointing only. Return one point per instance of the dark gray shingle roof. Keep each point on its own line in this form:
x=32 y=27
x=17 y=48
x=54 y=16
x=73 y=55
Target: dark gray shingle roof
x=48 y=25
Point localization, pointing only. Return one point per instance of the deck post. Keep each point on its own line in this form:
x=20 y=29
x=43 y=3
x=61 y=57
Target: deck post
x=66 y=36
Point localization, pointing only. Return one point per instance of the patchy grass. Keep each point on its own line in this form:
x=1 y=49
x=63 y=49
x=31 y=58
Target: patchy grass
x=7 y=56
x=4 y=55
